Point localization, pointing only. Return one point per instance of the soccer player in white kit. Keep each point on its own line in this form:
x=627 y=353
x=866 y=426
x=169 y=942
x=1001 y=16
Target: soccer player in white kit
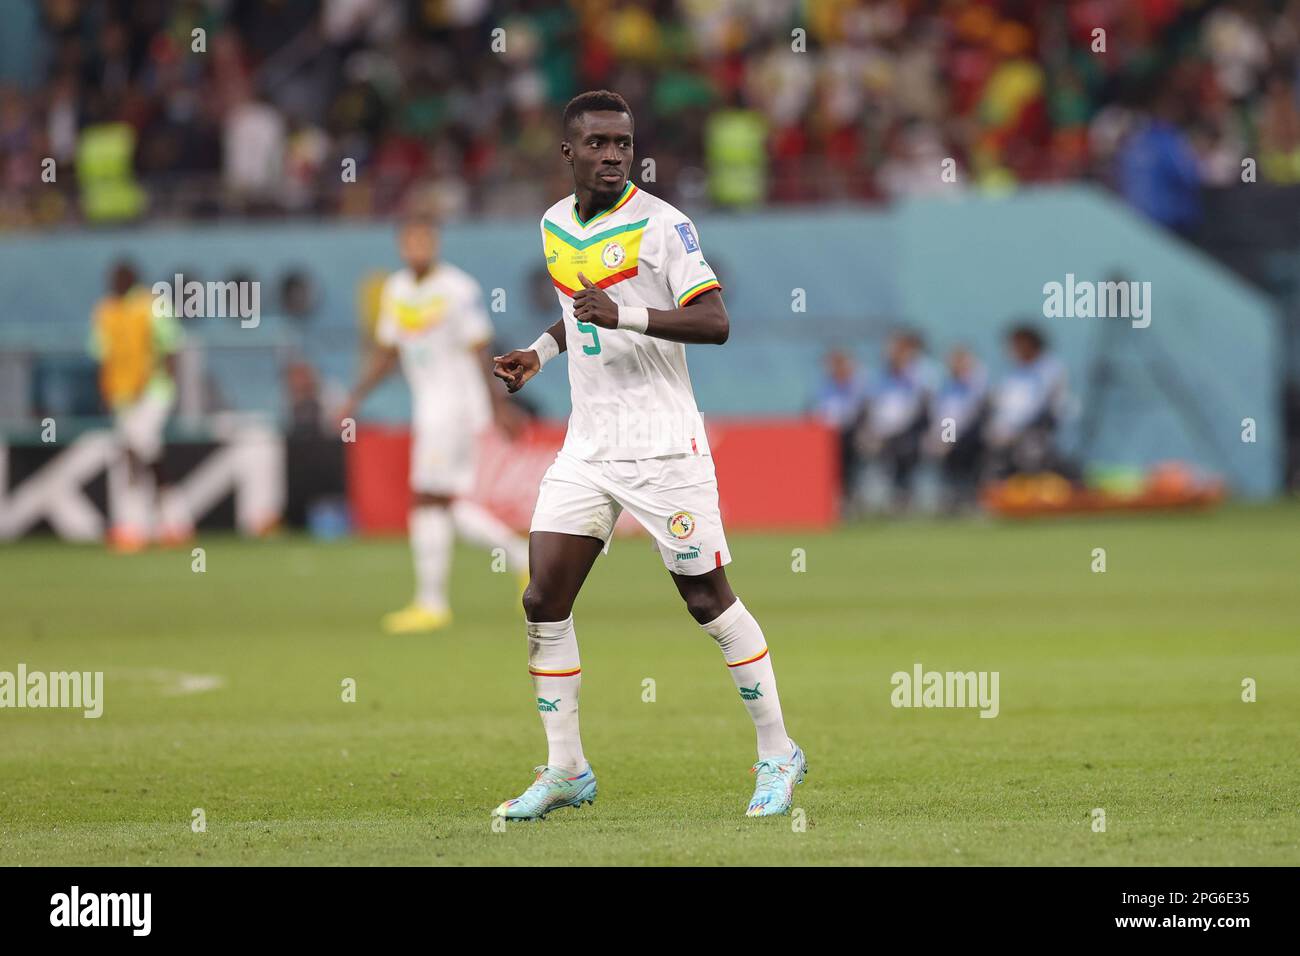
x=634 y=288
x=432 y=320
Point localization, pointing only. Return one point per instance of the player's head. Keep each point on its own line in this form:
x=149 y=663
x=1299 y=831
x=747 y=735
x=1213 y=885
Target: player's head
x=1026 y=343
x=839 y=365
x=122 y=277
x=903 y=346
x=961 y=362
x=417 y=241
x=598 y=142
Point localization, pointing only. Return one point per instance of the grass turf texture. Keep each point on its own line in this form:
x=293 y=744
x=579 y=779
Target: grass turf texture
x=1119 y=690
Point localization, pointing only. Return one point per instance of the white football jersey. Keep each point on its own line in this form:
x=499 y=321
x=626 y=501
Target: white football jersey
x=437 y=323
x=631 y=393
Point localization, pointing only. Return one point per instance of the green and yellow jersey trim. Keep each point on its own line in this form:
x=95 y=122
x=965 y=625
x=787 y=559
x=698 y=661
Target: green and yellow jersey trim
x=696 y=291
x=567 y=255
x=580 y=244
x=628 y=192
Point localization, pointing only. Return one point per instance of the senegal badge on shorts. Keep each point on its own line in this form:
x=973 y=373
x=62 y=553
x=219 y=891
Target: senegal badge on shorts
x=681 y=525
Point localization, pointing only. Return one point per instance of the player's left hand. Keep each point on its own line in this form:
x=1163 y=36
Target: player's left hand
x=592 y=304
x=515 y=368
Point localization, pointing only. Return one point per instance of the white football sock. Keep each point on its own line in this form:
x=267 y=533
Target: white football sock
x=480 y=527
x=745 y=651
x=173 y=513
x=119 y=492
x=557 y=675
x=430 y=528
x=131 y=502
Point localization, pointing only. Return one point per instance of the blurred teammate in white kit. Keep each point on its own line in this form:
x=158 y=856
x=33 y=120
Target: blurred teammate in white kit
x=432 y=320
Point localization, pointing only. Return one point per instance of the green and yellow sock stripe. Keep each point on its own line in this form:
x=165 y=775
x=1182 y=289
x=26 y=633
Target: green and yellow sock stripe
x=697 y=290
x=628 y=192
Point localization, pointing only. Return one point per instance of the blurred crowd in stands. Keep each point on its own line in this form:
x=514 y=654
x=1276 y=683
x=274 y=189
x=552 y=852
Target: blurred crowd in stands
x=914 y=411
x=205 y=108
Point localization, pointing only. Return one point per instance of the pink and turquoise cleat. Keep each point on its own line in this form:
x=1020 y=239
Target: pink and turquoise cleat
x=551 y=790
x=777 y=776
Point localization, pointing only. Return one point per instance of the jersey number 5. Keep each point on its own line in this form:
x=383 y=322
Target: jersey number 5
x=588 y=329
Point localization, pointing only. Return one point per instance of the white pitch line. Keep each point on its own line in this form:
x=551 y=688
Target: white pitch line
x=172 y=683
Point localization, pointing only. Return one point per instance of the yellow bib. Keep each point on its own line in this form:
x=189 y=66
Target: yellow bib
x=125 y=329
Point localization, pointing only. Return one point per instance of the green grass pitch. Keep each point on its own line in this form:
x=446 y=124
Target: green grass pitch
x=1120 y=691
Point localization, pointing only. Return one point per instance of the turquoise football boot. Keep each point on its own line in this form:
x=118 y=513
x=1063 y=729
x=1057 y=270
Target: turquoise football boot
x=551 y=790
x=777 y=776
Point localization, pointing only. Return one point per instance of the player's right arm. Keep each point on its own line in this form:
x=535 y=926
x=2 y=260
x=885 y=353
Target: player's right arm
x=379 y=365
x=168 y=337
x=383 y=355
x=517 y=367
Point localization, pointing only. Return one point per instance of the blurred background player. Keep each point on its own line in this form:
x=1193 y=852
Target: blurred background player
x=839 y=404
x=897 y=409
x=432 y=320
x=955 y=435
x=1027 y=409
x=135 y=344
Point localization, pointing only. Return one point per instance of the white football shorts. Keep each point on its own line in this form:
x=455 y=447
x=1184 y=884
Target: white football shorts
x=443 y=459
x=140 y=426
x=675 y=498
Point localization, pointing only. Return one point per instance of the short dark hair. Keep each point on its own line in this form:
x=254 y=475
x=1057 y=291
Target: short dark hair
x=1028 y=333
x=912 y=337
x=122 y=276
x=594 y=101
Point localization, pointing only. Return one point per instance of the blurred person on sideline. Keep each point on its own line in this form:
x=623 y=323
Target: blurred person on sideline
x=135 y=344
x=305 y=400
x=1027 y=408
x=897 y=411
x=839 y=403
x=955 y=437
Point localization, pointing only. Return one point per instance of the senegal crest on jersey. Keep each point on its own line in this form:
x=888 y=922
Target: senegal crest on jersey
x=613 y=255
x=606 y=257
